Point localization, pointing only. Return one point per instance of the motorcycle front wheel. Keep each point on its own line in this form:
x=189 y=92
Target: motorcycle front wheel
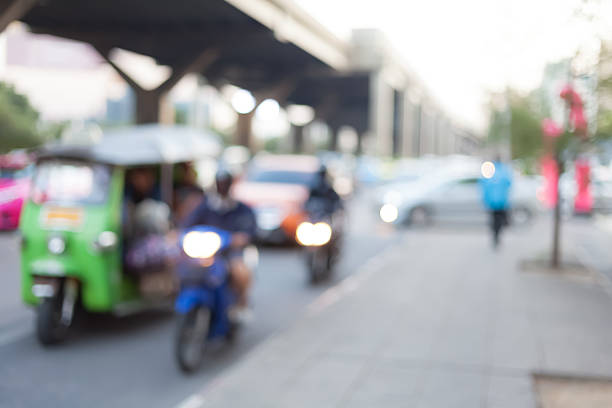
x=192 y=331
x=318 y=265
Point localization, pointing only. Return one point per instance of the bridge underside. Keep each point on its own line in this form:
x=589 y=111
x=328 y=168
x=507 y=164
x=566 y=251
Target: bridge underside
x=282 y=54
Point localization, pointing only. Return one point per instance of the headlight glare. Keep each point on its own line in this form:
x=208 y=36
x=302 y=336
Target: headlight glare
x=389 y=213
x=198 y=244
x=309 y=234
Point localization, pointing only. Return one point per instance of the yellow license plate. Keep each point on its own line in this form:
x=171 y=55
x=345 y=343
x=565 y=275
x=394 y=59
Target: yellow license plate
x=55 y=217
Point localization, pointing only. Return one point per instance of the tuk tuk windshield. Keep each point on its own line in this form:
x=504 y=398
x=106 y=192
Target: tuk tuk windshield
x=69 y=182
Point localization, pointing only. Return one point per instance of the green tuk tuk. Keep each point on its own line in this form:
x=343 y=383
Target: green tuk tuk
x=71 y=224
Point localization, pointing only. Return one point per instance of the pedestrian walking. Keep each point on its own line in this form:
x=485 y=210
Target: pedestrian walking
x=496 y=183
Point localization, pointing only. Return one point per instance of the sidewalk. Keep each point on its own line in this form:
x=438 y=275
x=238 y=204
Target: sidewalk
x=440 y=320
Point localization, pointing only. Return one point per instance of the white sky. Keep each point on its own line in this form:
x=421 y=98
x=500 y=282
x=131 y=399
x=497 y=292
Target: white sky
x=462 y=49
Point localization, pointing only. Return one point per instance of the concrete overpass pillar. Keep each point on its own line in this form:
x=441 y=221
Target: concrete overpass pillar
x=151 y=106
x=381 y=113
x=297 y=134
x=417 y=117
x=333 y=137
x=244 y=128
x=426 y=131
x=437 y=137
x=148 y=103
x=398 y=122
x=15 y=10
x=408 y=127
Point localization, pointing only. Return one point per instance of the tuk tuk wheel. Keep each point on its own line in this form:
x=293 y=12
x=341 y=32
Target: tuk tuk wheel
x=49 y=325
x=191 y=335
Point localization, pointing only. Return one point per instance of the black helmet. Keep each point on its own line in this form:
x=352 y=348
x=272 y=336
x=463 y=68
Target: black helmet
x=224 y=175
x=224 y=180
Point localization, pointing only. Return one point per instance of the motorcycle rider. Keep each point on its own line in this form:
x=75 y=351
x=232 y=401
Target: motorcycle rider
x=323 y=195
x=325 y=202
x=219 y=210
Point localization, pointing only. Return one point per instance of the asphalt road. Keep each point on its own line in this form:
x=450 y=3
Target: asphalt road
x=128 y=362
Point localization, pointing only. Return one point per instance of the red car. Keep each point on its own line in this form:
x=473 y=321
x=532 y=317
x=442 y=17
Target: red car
x=15 y=173
x=276 y=187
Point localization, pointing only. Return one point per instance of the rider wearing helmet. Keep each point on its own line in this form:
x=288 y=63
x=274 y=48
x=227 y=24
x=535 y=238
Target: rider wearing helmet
x=219 y=210
x=323 y=194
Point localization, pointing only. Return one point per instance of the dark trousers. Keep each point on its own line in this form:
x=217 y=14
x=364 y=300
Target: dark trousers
x=499 y=219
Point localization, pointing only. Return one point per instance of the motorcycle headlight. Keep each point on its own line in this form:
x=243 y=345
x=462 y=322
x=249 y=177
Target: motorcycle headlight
x=389 y=213
x=309 y=234
x=106 y=240
x=198 y=244
x=56 y=245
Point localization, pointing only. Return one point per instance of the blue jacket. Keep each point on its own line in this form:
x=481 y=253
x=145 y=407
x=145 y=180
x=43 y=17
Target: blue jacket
x=496 y=190
x=239 y=218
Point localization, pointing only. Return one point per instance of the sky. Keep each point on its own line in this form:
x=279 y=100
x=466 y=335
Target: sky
x=465 y=49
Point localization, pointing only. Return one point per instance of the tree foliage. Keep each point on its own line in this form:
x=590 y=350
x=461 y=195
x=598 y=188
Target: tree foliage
x=520 y=122
x=18 y=120
x=604 y=91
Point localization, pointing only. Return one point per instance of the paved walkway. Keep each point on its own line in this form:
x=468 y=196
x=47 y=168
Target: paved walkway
x=440 y=320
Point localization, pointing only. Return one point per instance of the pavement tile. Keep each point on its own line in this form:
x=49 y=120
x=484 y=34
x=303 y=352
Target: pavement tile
x=321 y=383
x=461 y=327
x=510 y=392
x=386 y=385
x=452 y=388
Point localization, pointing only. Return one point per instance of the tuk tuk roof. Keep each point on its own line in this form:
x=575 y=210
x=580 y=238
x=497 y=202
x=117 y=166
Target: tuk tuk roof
x=142 y=145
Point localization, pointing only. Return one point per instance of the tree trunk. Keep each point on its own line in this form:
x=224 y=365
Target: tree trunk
x=555 y=260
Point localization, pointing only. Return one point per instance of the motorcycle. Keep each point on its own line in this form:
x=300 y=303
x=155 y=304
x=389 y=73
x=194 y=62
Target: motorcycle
x=205 y=296
x=321 y=236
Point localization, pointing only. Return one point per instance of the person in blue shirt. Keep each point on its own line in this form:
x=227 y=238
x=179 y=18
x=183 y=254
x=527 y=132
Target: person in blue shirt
x=496 y=183
x=220 y=210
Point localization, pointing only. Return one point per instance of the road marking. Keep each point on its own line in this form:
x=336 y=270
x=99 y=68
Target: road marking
x=12 y=335
x=349 y=284
x=194 y=401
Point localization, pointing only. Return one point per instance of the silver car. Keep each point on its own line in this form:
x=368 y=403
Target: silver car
x=451 y=198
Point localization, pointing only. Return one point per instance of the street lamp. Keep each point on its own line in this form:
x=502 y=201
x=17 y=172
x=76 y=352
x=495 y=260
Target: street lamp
x=300 y=115
x=268 y=110
x=243 y=101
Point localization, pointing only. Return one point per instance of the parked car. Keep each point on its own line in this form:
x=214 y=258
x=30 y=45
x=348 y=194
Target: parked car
x=276 y=187
x=451 y=196
x=15 y=174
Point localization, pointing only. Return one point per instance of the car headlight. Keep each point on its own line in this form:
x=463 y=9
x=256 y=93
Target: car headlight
x=56 y=245
x=389 y=213
x=106 y=240
x=309 y=234
x=198 y=244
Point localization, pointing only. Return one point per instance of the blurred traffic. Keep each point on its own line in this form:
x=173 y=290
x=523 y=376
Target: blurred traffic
x=283 y=203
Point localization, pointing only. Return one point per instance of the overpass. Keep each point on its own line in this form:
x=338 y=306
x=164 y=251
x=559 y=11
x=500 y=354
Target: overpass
x=270 y=47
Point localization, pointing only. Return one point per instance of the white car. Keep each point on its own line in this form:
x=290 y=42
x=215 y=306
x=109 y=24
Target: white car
x=451 y=197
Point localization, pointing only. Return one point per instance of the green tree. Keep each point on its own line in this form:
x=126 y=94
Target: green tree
x=18 y=120
x=604 y=91
x=520 y=122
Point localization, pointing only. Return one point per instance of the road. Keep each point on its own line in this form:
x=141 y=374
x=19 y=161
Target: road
x=129 y=362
